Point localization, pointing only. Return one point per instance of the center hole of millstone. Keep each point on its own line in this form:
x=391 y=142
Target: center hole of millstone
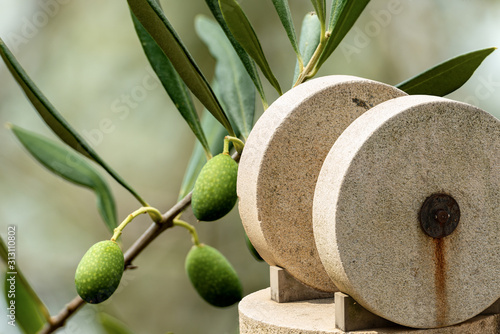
x=439 y=215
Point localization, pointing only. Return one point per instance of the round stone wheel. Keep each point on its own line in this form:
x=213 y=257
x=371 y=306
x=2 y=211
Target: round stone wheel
x=281 y=161
x=403 y=169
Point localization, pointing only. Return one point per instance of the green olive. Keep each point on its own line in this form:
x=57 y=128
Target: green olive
x=212 y=276
x=99 y=272
x=214 y=193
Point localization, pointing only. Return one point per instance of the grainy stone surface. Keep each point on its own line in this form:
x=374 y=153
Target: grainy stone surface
x=260 y=315
x=367 y=201
x=282 y=159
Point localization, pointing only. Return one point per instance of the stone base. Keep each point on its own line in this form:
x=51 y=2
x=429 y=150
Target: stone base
x=261 y=315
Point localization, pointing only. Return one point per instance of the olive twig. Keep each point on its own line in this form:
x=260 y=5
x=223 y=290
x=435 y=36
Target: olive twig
x=236 y=142
x=265 y=105
x=190 y=228
x=154 y=213
x=139 y=245
x=311 y=68
x=59 y=320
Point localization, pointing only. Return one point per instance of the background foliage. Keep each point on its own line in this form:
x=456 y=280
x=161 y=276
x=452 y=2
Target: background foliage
x=88 y=62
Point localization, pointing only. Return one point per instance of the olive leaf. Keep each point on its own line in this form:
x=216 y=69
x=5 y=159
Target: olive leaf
x=215 y=136
x=283 y=10
x=343 y=16
x=446 y=77
x=55 y=120
x=171 y=81
x=154 y=21
x=247 y=61
x=48 y=113
x=72 y=167
x=320 y=8
x=31 y=314
x=243 y=32
x=235 y=86
x=310 y=34
x=111 y=325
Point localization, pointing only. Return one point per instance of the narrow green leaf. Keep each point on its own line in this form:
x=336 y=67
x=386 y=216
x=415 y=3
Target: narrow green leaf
x=446 y=77
x=249 y=64
x=55 y=120
x=3 y=247
x=215 y=136
x=72 y=167
x=320 y=8
x=151 y=16
x=309 y=40
x=283 y=10
x=48 y=113
x=111 y=325
x=344 y=14
x=30 y=313
x=235 y=85
x=242 y=30
x=171 y=81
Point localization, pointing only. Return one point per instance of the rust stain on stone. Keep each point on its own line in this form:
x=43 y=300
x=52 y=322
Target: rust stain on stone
x=440 y=281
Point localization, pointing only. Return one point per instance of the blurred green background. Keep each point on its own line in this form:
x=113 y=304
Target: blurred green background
x=86 y=58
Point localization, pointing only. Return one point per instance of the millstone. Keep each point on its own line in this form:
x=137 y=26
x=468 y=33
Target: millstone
x=407 y=210
x=282 y=159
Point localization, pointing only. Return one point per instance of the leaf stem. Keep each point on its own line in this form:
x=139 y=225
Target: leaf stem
x=238 y=143
x=153 y=213
x=189 y=227
x=300 y=62
x=265 y=105
x=208 y=155
x=225 y=150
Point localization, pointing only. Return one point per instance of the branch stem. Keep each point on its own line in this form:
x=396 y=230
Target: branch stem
x=236 y=143
x=311 y=69
x=190 y=228
x=59 y=320
x=154 y=213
